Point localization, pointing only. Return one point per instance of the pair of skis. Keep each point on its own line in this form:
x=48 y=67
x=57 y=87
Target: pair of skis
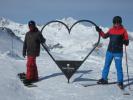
x=125 y=92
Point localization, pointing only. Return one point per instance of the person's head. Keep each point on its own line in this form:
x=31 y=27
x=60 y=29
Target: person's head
x=117 y=21
x=32 y=25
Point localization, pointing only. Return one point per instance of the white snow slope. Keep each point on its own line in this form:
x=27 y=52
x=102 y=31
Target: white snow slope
x=53 y=84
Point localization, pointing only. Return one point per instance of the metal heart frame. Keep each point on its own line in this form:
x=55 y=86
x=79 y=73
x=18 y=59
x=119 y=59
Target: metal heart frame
x=69 y=67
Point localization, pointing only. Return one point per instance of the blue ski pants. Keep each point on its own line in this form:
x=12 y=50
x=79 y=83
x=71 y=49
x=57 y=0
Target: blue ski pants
x=118 y=64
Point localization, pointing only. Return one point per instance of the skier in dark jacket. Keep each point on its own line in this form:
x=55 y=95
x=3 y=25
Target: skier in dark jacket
x=118 y=36
x=31 y=48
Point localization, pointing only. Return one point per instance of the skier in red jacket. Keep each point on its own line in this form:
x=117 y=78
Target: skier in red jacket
x=118 y=36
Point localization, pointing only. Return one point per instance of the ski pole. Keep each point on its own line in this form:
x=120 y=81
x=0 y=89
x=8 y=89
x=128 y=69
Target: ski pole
x=127 y=65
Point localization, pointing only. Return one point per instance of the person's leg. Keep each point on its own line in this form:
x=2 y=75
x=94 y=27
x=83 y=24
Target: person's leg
x=118 y=64
x=108 y=60
x=32 y=73
x=29 y=73
x=35 y=71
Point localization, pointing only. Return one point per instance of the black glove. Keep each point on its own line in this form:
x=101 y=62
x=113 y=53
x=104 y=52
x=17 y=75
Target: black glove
x=98 y=29
x=41 y=39
x=126 y=42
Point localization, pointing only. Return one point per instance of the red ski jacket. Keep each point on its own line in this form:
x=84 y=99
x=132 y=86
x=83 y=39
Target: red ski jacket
x=118 y=36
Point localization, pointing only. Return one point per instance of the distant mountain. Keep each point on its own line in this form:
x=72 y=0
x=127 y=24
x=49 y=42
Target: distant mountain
x=18 y=29
x=82 y=37
x=9 y=42
x=4 y=22
x=21 y=29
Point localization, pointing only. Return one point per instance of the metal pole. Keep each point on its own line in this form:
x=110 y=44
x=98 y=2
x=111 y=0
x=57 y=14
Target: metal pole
x=43 y=45
x=127 y=66
x=12 y=47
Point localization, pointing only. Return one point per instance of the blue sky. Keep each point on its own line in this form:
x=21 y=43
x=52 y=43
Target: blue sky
x=42 y=11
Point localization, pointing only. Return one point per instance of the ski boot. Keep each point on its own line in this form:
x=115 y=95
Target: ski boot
x=102 y=81
x=120 y=85
x=27 y=82
x=22 y=76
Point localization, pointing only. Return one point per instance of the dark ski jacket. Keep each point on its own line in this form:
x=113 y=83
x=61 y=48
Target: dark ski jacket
x=118 y=36
x=31 y=46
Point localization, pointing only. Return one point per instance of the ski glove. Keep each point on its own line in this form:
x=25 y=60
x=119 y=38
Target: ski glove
x=126 y=42
x=98 y=29
x=41 y=39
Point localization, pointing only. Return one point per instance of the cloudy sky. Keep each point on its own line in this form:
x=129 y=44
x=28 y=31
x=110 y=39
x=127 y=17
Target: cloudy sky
x=42 y=11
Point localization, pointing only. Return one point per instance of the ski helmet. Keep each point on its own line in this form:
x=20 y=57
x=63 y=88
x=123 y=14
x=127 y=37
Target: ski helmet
x=117 y=19
x=32 y=23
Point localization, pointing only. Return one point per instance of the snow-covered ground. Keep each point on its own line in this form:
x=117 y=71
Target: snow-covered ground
x=53 y=84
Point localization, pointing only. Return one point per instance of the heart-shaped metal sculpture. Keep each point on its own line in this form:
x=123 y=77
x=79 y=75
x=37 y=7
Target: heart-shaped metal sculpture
x=69 y=67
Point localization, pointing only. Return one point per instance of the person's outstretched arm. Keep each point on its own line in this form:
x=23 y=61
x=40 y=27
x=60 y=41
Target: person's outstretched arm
x=102 y=34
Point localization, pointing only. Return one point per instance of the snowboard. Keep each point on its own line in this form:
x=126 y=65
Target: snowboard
x=22 y=77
